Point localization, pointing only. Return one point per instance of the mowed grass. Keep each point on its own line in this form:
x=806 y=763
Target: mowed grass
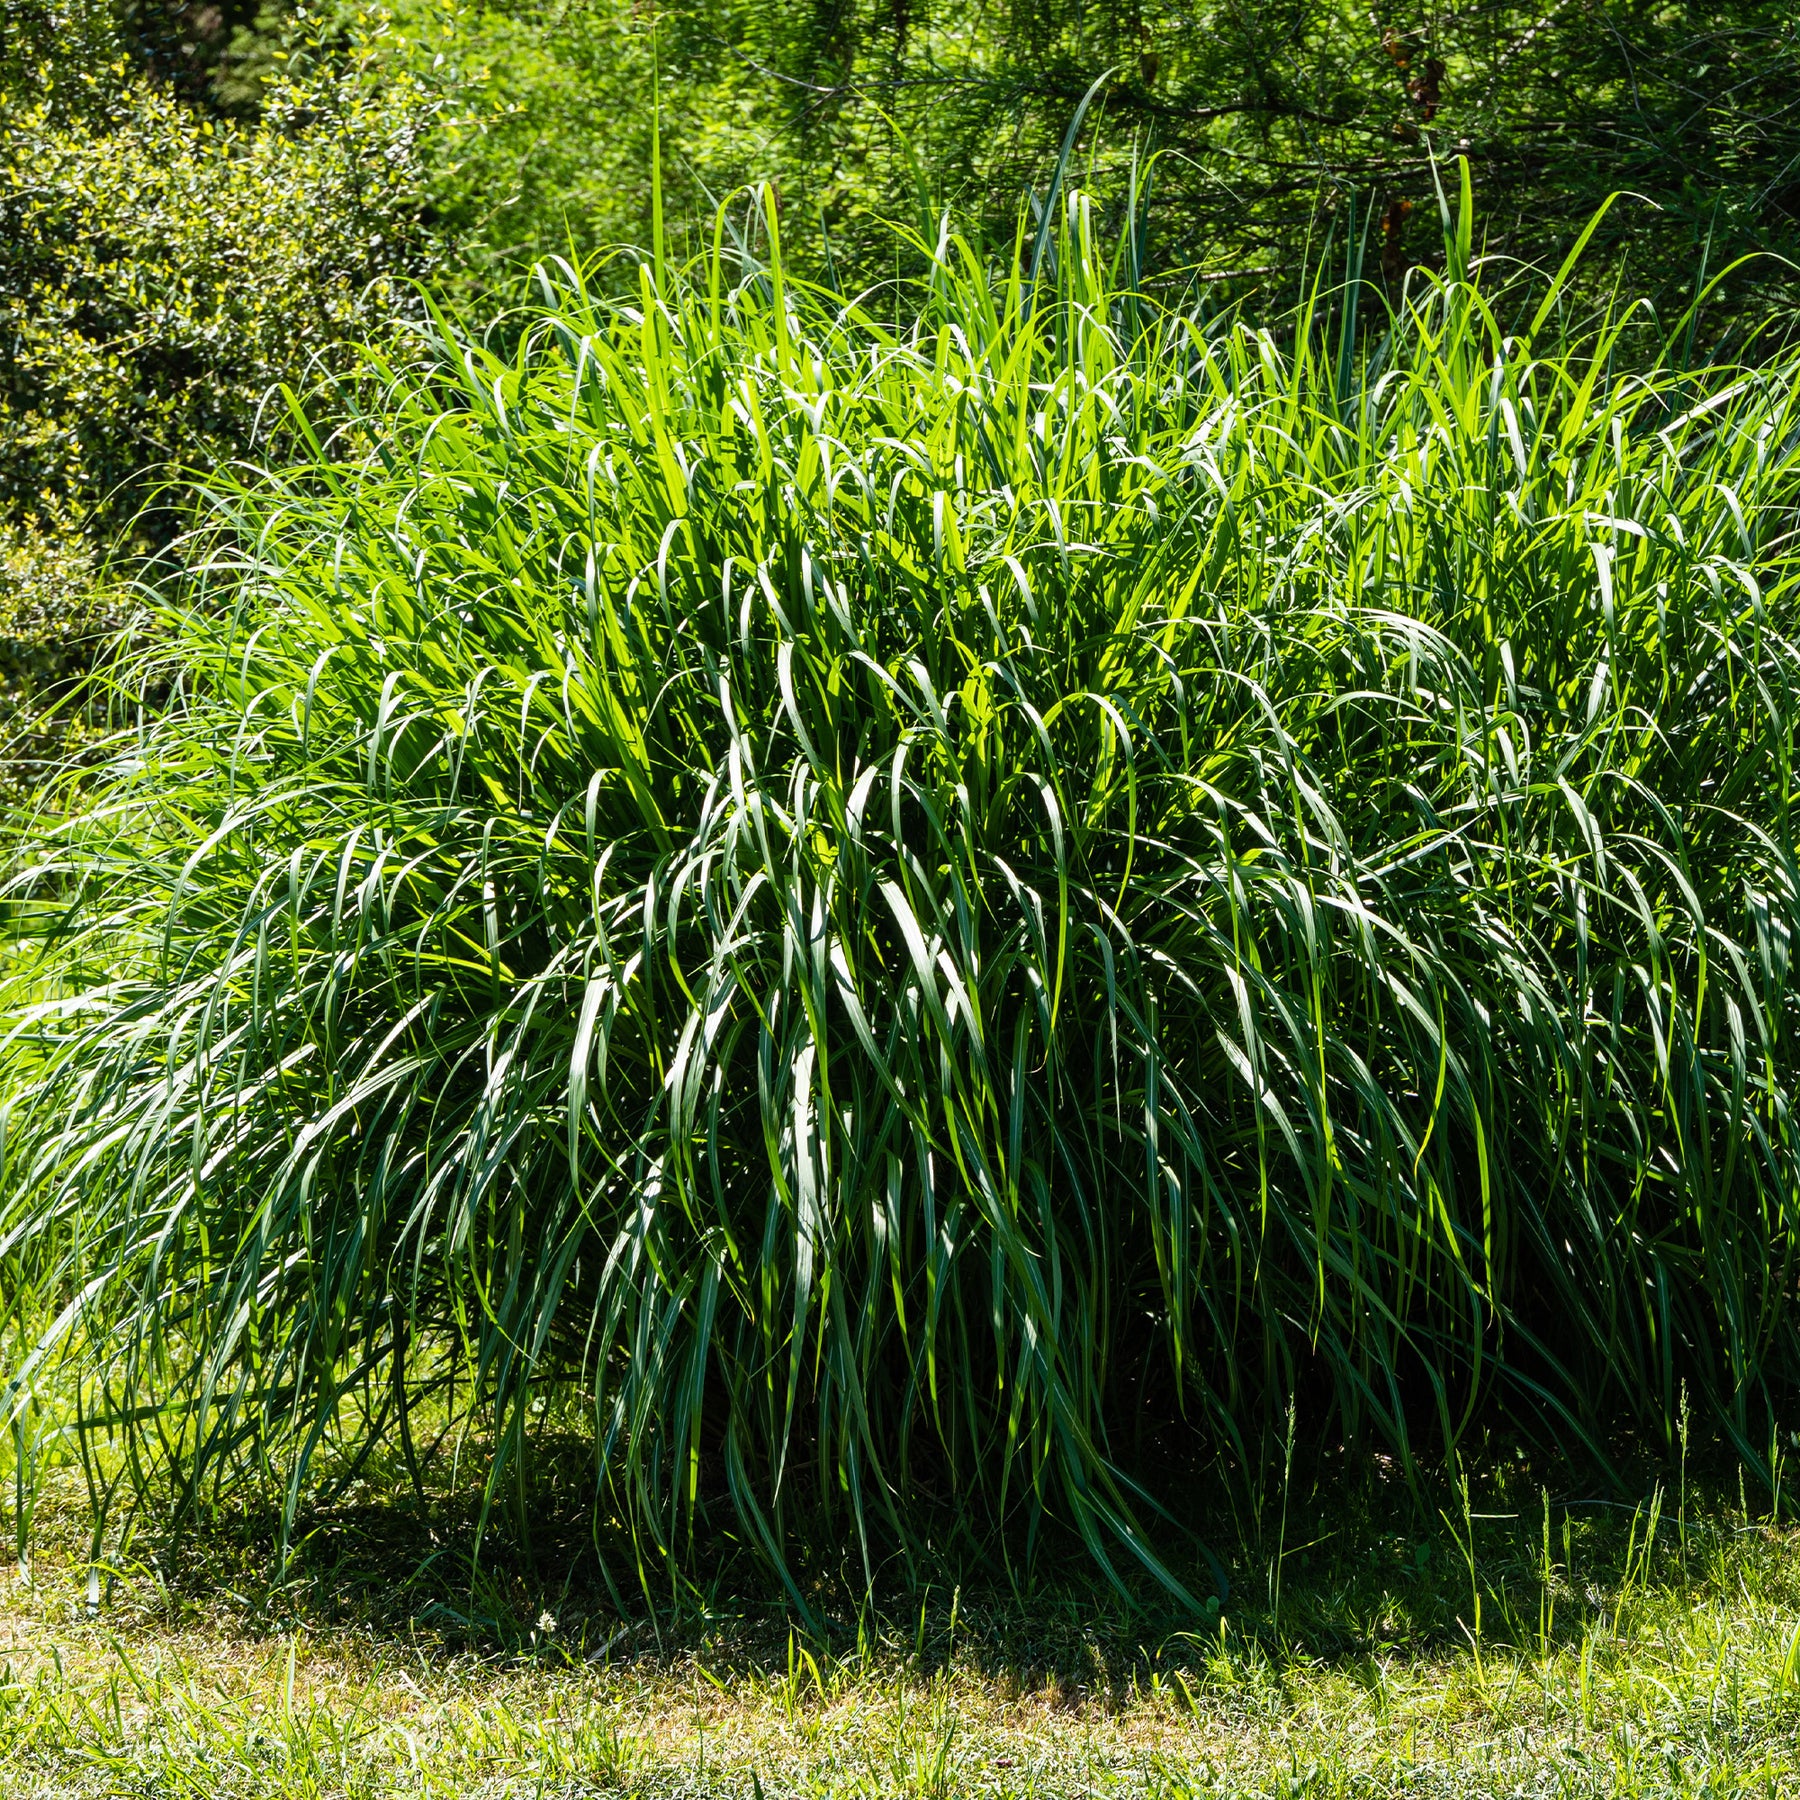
x=1611 y=1659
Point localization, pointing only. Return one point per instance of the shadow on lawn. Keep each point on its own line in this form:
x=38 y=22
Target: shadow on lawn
x=1358 y=1566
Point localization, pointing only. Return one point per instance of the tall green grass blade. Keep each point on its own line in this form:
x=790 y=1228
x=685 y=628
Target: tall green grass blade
x=927 y=920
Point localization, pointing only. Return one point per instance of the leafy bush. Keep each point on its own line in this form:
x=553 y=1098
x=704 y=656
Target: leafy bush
x=934 y=919
x=164 y=270
x=61 y=611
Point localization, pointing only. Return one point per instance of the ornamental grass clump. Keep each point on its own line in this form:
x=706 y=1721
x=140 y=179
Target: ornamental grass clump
x=928 y=921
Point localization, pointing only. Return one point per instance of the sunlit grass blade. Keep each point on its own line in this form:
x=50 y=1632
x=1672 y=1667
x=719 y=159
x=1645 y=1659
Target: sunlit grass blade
x=930 y=919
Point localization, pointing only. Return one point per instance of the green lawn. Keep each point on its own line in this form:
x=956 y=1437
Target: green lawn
x=1666 y=1672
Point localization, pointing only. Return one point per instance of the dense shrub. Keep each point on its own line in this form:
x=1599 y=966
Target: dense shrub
x=60 y=611
x=934 y=919
x=164 y=270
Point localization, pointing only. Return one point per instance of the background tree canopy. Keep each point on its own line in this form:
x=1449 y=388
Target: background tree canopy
x=1269 y=116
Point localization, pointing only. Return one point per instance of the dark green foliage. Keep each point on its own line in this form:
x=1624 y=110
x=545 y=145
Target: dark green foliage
x=162 y=271
x=1271 y=116
x=216 y=53
x=59 y=611
x=926 y=921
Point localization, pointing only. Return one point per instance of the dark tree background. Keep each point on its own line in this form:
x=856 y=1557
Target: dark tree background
x=1269 y=119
